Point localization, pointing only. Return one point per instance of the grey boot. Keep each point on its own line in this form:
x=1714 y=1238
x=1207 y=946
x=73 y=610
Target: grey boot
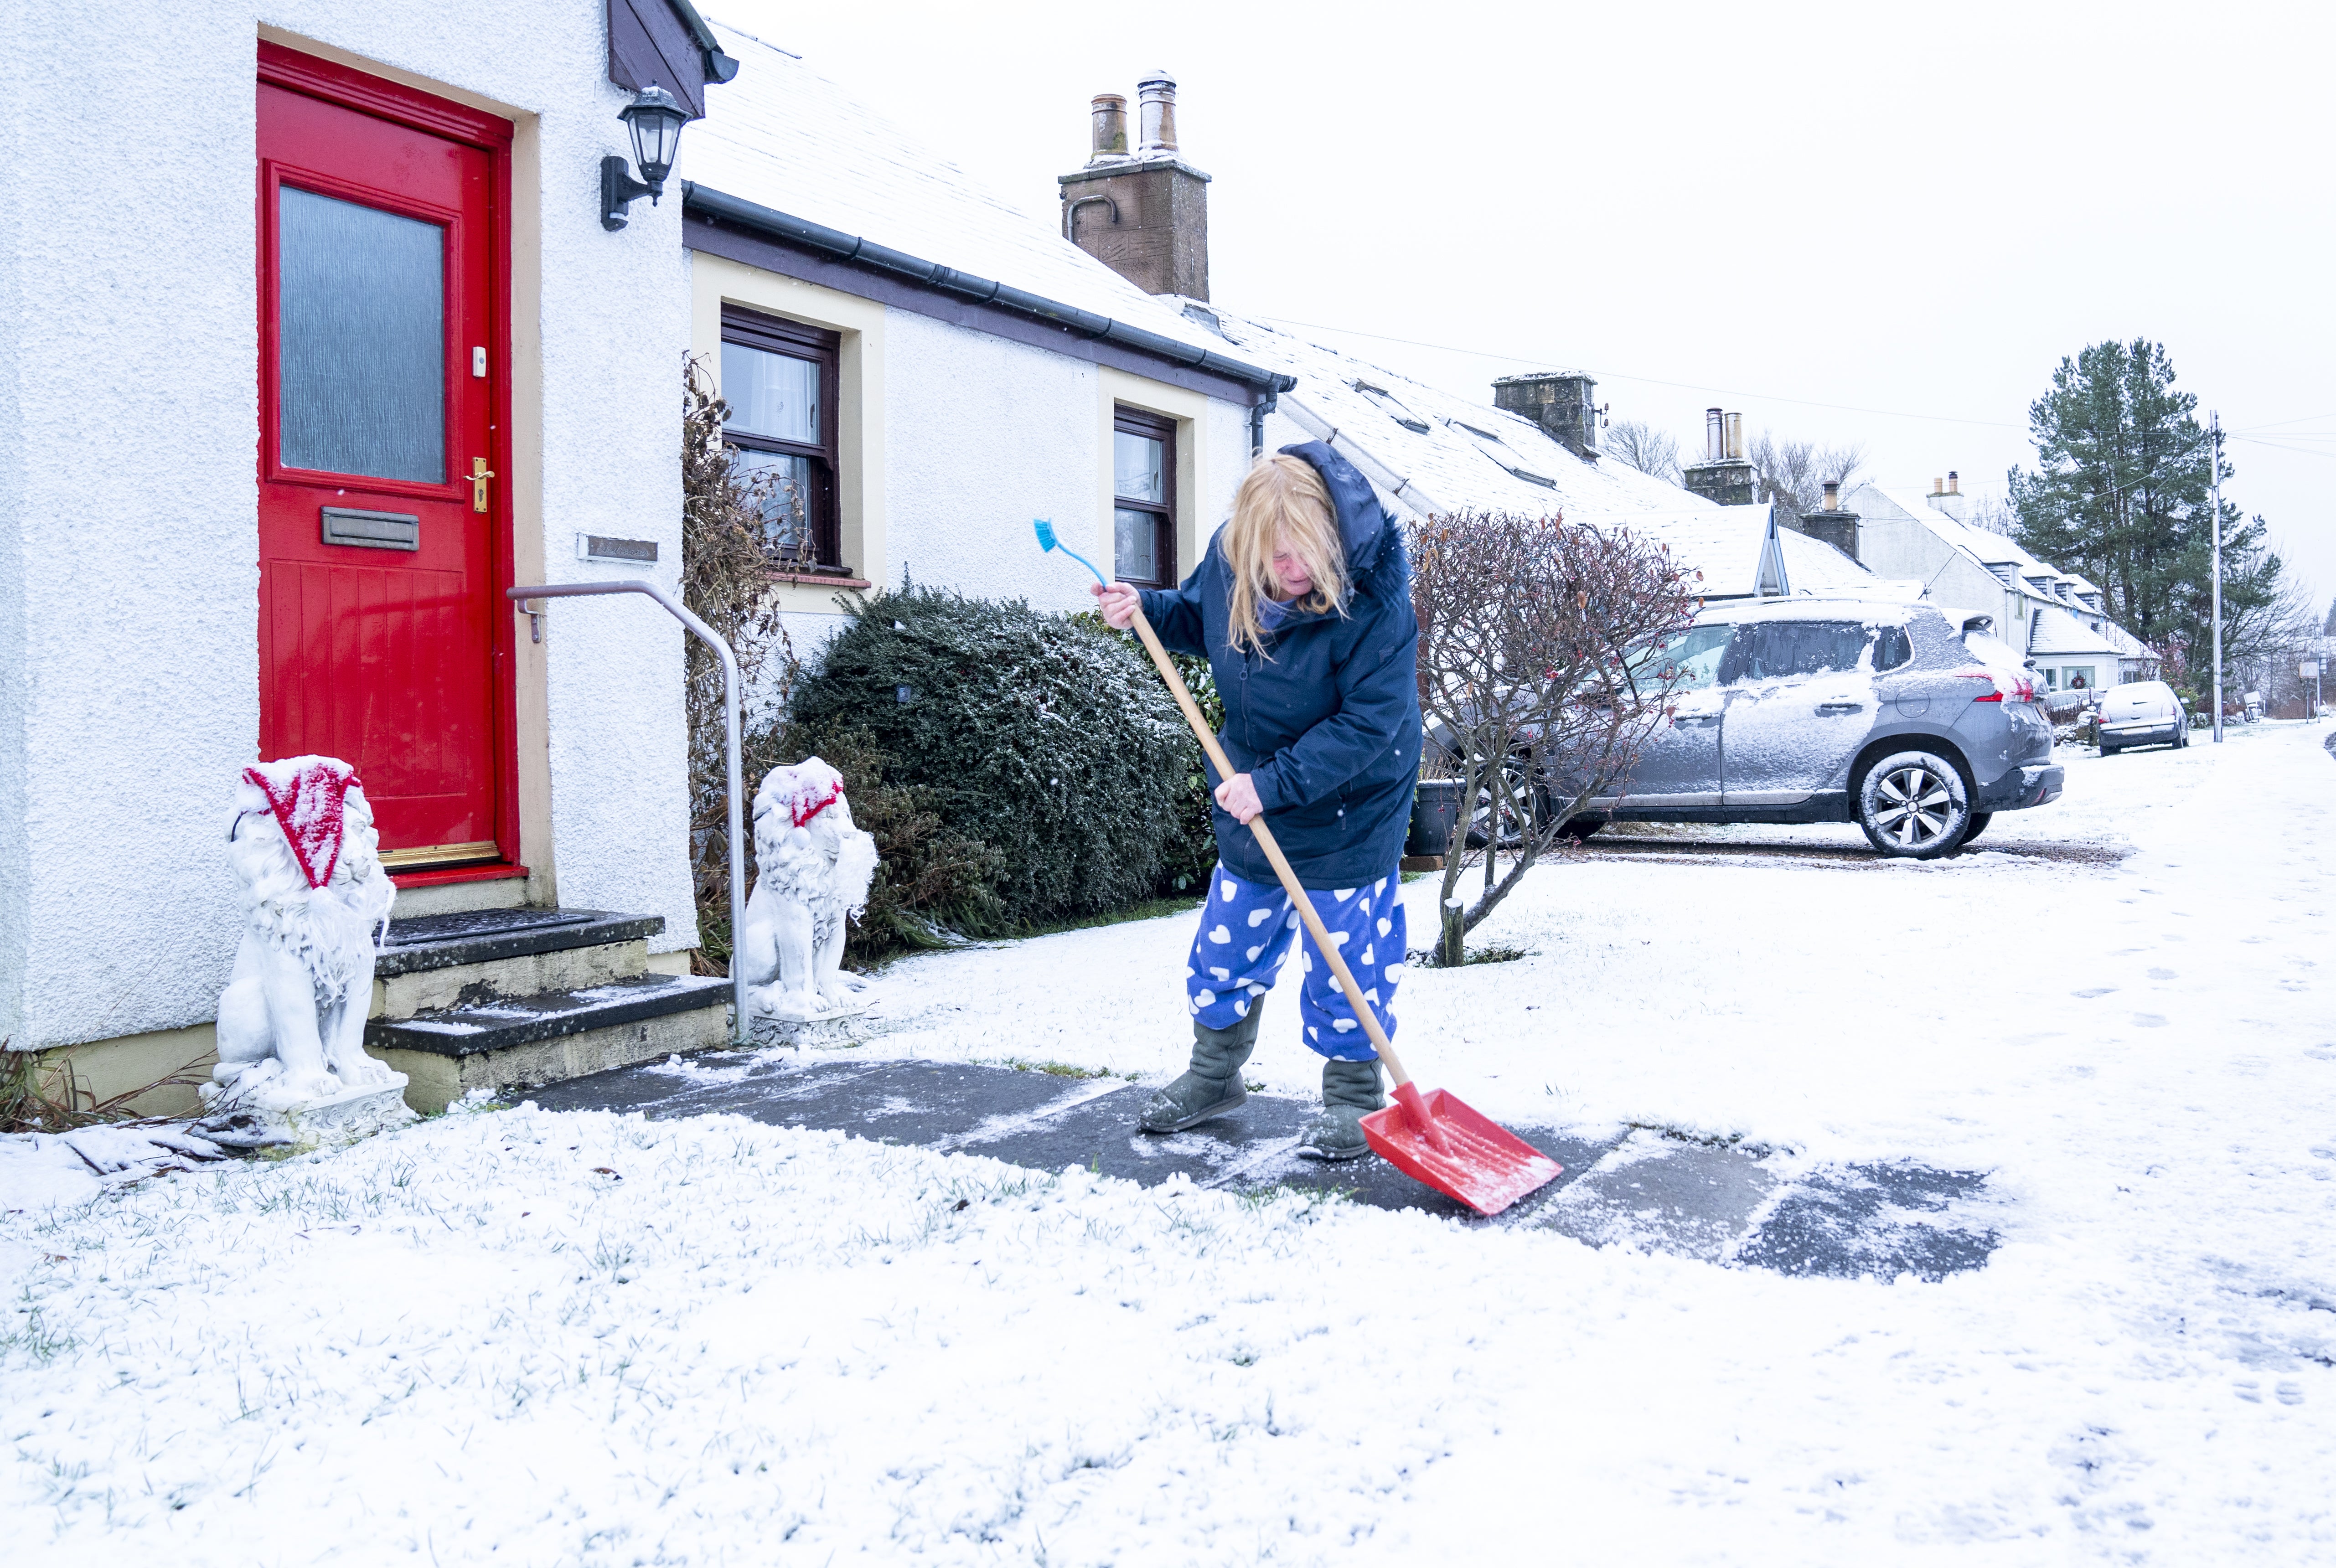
x=1212 y=1086
x=1351 y=1091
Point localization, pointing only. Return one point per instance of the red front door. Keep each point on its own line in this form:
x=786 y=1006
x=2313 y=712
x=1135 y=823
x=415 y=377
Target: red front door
x=380 y=364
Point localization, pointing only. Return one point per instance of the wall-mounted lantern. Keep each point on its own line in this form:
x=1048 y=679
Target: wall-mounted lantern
x=655 y=118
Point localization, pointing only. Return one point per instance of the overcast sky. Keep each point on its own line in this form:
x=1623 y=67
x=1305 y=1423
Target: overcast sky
x=1853 y=223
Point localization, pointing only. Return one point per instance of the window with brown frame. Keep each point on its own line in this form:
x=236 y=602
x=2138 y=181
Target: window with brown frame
x=779 y=378
x=1144 y=498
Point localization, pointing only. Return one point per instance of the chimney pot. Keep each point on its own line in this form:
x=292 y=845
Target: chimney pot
x=1938 y=487
x=1157 y=97
x=1954 y=482
x=1715 y=438
x=1735 y=437
x=1110 y=128
x=1832 y=496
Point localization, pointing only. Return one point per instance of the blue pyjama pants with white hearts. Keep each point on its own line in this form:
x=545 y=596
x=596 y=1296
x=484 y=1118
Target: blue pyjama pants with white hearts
x=1246 y=931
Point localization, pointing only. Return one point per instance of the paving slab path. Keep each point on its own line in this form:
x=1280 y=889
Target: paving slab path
x=1644 y=1190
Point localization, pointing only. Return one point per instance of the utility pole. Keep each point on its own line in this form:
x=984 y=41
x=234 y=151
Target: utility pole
x=2214 y=422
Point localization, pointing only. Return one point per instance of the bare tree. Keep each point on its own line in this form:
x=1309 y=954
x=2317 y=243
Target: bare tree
x=1994 y=513
x=1795 y=472
x=1644 y=448
x=1542 y=675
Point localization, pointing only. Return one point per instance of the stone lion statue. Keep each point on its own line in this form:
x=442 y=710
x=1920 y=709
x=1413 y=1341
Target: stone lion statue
x=812 y=870
x=292 y=1065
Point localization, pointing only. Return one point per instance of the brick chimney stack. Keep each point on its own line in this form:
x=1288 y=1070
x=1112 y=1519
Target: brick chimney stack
x=1723 y=476
x=1560 y=401
x=1831 y=523
x=1947 y=495
x=1144 y=214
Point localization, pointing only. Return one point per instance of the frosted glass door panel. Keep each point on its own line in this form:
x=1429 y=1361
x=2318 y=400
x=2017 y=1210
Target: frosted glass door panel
x=771 y=395
x=362 y=361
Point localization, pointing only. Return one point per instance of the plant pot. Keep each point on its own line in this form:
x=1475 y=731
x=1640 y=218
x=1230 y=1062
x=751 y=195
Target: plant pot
x=1435 y=817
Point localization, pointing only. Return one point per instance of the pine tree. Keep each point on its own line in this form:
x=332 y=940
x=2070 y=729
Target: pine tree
x=2328 y=628
x=2123 y=494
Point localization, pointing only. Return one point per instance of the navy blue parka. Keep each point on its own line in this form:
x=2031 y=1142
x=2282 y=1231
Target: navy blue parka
x=1325 y=721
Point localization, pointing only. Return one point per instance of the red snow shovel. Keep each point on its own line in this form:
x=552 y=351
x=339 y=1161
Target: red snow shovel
x=1432 y=1137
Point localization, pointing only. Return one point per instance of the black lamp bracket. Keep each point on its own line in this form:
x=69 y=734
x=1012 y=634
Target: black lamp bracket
x=619 y=190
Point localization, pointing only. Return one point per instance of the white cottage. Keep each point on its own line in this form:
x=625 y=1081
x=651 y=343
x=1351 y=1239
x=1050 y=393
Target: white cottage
x=340 y=342
x=931 y=368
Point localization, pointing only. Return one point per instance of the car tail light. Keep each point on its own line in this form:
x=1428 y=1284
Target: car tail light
x=2019 y=689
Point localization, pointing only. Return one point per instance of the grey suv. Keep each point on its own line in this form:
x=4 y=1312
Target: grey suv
x=1915 y=727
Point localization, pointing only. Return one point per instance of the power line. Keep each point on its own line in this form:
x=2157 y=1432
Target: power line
x=1643 y=380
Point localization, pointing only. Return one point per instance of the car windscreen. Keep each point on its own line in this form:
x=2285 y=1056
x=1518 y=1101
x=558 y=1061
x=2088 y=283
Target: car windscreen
x=1779 y=649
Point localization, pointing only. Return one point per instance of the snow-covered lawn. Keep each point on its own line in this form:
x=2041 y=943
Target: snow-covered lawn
x=541 y=1338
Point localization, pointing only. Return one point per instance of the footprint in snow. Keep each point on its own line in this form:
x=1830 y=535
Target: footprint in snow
x=2094 y=991
x=2149 y=1020
x=2162 y=975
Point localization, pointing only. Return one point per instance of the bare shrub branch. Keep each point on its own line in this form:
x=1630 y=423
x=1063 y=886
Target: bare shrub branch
x=1541 y=677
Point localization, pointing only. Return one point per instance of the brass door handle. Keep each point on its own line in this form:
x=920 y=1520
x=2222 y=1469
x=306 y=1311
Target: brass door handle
x=480 y=474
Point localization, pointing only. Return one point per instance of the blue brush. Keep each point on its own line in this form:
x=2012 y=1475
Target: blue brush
x=1047 y=540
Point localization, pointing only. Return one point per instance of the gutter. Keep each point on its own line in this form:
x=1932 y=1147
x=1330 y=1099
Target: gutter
x=1267 y=384
x=1371 y=468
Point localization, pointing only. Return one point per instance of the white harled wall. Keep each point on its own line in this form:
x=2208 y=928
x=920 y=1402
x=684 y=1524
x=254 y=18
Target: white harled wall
x=128 y=677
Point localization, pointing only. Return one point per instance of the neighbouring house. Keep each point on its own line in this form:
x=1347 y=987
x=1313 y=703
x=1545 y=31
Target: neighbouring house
x=2057 y=620
x=343 y=274
x=929 y=367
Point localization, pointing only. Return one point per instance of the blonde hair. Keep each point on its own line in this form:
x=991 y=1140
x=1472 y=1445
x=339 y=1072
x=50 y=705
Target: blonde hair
x=1282 y=501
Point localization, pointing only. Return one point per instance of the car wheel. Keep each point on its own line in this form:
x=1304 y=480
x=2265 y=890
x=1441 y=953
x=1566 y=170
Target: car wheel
x=1914 y=805
x=1496 y=820
x=1978 y=823
x=1581 y=827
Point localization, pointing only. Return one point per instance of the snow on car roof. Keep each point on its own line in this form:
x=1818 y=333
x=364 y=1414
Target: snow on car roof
x=1862 y=608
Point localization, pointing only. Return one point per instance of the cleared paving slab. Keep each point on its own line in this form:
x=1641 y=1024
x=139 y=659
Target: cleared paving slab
x=1663 y=1195
x=1644 y=1191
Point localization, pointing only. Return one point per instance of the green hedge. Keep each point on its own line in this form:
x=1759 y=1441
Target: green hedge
x=1046 y=737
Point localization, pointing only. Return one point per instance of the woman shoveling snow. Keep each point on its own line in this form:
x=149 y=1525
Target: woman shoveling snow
x=1302 y=607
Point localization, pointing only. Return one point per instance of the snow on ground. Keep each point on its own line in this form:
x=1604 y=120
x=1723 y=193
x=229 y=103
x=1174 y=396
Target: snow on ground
x=583 y=1337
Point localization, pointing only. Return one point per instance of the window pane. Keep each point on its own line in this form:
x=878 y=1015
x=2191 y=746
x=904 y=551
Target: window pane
x=773 y=395
x=1780 y=649
x=1693 y=657
x=1136 y=554
x=779 y=489
x=1137 y=467
x=361 y=319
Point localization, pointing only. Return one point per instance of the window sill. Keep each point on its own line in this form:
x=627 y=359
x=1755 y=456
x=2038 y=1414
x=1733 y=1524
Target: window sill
x=820 y=579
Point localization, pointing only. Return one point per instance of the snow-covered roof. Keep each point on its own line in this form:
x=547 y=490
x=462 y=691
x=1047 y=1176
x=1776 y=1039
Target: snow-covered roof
x=784 y=137
x=1812 y=566
x=2058 y=633
x=1439 y=452
x=1730 y=545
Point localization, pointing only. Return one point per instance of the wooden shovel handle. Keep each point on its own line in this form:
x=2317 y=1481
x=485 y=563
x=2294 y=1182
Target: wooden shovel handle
x=1322 y=942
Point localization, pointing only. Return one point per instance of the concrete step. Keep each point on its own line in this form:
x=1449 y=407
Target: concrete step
x=504 y=1042
x=439 y=961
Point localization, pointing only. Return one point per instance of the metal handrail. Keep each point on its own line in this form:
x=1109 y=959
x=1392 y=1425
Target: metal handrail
x=730 y=717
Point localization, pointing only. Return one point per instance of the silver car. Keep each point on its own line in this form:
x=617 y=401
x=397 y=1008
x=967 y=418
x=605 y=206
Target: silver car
x=1914 y=726
x=2142 y=713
